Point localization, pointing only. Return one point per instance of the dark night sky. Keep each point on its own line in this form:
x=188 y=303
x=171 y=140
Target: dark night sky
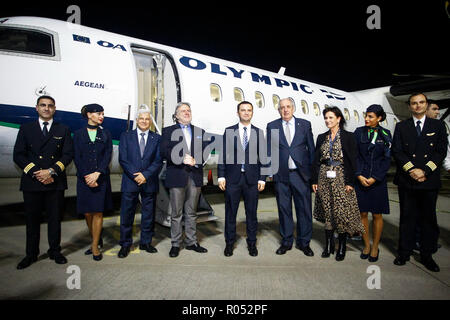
x=326 y=43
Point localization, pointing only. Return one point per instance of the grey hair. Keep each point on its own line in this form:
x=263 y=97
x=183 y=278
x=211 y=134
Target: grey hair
x=179 y=104
x=291 y=102
x=143 y=108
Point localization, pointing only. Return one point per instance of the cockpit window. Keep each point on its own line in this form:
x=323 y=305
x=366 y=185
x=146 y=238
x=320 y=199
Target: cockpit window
x=26 y=41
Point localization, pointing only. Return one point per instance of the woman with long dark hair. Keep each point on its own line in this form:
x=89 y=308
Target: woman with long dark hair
x=372 y=164
x=333 y=182
x=93 y=151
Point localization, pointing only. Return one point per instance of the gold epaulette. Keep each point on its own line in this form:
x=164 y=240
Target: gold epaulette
x=431 y=165
x=60 y=165
x=408 y=166
x=28 y=167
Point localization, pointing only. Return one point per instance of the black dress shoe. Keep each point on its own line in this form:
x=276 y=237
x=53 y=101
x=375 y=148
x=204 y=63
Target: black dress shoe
x=364 y=256
x=374 y=259
x=124 y=251
x=430 y=264
x=26 y=262
x=147 y=247
x=282 y=249
x=228 y=252
x=197 y=248
x=400 y=261
x=88 y=251
x=174 y=251
x=58 y=257
x=97 y=258
x=252 y=250
x=306 y=250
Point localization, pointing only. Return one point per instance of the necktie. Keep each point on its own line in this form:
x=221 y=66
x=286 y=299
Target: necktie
x=142 y=144
x=419 y=131
x=45 y=130
x=287 y=133
x=244 y=145
x=187 y=136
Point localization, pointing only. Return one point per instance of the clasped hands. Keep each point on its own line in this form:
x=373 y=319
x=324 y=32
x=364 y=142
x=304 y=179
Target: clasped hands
x=366 y=182
x=189 y=160
x=91 y=179
x=418 y=175
x=43 y=176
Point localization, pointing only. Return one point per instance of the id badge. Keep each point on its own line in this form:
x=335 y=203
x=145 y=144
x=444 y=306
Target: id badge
x=331 y=174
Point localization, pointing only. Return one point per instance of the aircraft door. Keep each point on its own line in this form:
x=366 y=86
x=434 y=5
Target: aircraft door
x=156 y=86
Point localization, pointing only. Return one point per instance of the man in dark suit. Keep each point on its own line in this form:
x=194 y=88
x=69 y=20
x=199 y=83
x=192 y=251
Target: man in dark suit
x=140 y=158
x=182 y=146
x=295 y=150
x=43 y=150
x=419 y=148
x=239 y=173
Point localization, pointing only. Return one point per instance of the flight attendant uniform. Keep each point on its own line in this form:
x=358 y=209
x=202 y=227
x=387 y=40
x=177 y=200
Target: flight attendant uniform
x=373 y=161
x=93 y=154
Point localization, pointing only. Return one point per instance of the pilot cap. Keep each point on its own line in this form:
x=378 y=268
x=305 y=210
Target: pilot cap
x=93 y=107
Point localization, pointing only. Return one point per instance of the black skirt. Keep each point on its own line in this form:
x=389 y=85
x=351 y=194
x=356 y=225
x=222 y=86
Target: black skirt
x=98 y=199
x=373 y=199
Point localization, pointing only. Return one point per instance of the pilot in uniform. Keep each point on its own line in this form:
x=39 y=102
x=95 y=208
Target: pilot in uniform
x=419 y=147
x=43 y=150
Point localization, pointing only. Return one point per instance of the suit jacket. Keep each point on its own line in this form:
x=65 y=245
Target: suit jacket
x=230 y=165
x=301 y=149
x=33 y=152
x=425 y=152
x=149 y=165
x=349 y=150
x=177 y=173
x=91 y=157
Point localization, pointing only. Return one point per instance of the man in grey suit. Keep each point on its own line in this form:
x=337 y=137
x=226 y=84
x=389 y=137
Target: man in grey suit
x=182 y=145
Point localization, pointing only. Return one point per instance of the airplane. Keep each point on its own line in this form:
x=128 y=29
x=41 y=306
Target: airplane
x=78 y=65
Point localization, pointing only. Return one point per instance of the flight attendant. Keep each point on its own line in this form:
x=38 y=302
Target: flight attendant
x=93 y=151
x=372 y=164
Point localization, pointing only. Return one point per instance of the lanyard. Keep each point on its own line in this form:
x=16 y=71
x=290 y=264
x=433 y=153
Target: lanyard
x=331 y=146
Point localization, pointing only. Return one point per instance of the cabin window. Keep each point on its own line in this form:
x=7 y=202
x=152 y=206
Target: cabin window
x=316 y=108
x=216 y=92
x=364 y=114
x=276 y=101
x=259 y=98
x=293 y=104
x=356 y=114
x=305 y=108
x=26 y=41
x=238 y=95
x=346 y=114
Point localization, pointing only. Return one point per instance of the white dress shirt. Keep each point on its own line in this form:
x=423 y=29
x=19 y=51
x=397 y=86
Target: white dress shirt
x=291 y=123
x=241 y=138
x=139 y=131
x=41 y=123
x=422 y=122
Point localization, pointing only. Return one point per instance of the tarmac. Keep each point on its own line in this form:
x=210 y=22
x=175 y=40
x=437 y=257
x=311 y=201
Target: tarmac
x=212 y=276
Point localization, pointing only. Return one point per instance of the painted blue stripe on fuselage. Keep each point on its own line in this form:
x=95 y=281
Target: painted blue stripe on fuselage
x=74 y=120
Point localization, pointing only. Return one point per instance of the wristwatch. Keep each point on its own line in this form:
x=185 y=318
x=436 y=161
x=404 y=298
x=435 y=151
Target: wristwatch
x=52 y=172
